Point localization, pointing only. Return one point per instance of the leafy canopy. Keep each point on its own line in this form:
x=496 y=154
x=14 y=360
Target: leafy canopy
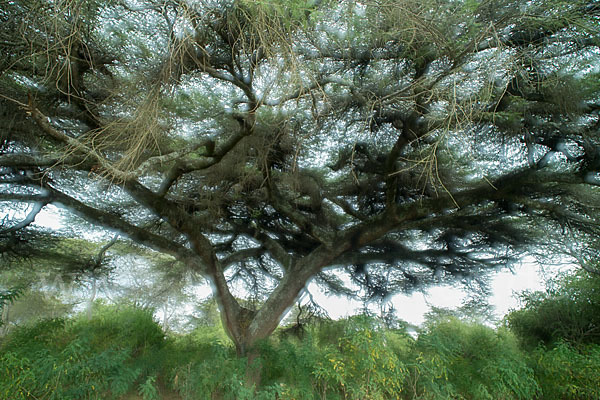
x=261 y=143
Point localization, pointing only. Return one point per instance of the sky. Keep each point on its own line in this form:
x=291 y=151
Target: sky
x=505 y=286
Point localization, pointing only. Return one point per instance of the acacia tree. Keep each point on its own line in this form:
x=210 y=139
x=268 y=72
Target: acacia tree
x=265 y=142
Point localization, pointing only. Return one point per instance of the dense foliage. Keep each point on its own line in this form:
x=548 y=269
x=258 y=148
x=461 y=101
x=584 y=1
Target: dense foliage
x=568 y=310
x=80 y=359
x=560 y=327
x=265 y=144
x=121 y=351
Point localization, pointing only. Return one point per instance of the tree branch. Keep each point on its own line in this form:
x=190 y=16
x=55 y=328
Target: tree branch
x=241 y=255
x=43 y=122
x=113 y=222
x=22 y=160
x=29 y=219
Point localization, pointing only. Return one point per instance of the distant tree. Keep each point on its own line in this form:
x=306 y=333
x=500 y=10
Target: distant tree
x=48 y=268
x=33 y=305
x=261 y=143
x=475 y=309
x=569 y=310
x=7 y=296
x=152 y=281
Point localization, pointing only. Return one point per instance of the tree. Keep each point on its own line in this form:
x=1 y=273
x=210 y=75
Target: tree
x=7 y=297
x=567 y=311
x=32 y=306
x=150 y=281
x=264 y=142
x=45 y=267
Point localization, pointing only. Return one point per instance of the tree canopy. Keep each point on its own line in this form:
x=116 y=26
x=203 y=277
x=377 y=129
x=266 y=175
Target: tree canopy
x=265 y=142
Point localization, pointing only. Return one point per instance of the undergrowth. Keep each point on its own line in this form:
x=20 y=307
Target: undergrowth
x=122 y=351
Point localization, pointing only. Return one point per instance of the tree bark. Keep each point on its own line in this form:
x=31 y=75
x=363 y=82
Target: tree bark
x=5 y=319
x=90 y=304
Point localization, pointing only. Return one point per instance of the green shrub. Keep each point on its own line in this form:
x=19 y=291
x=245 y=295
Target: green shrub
x=125 y=326
x=219 y=372
x=148 y=389
x=29 y=339
x=97 y=359
x=568 y=310
x=76 y=372
x=455 y=360
x=568 y=372
x=362 y=365
x=288 y=365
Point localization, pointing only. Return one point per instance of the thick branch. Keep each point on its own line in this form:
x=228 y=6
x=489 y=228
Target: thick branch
x=177 y=218
x=113 y=222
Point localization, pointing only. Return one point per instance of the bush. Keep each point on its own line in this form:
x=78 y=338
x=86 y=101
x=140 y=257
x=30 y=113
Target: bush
x=358 y=364
x=76 y=372
x=83 y=359
x=568 y=310
x=288 y=365
x=219 y=372
x=122 y=350
x=124 y=326
x=568 y=372
x=362 y=365
x=454 y=360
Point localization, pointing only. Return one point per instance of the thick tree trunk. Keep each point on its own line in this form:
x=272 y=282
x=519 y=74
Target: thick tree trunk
x=247 y=327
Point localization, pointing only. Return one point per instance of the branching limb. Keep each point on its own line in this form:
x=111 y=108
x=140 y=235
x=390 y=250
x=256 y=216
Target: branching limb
x=114 y=222
x=241 y=255
x=42 y=122
x=304 y=223
x=145 y=167
x=186 y=165
x=20 y=160
x=29 y=219
x=152 y=162
x=99 y=258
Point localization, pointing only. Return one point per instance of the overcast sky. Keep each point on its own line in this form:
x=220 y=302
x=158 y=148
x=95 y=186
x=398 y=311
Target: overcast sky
x=412 y=308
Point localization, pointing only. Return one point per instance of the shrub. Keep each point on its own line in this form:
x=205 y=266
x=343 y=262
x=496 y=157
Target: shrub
x=568 y=310
x=362 y=366
x=76 y=372
x=568 y=372
x=455 y=359
x=97 y=359
x=124 y=326
x=219 y=372
x=288 y=366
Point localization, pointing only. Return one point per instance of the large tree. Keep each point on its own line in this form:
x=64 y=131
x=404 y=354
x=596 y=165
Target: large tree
x=267 y=142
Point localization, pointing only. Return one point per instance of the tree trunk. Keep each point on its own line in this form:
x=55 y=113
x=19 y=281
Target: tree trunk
x=5 y=320
x=165 y=310
x=247 y=327
x=90 y=304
